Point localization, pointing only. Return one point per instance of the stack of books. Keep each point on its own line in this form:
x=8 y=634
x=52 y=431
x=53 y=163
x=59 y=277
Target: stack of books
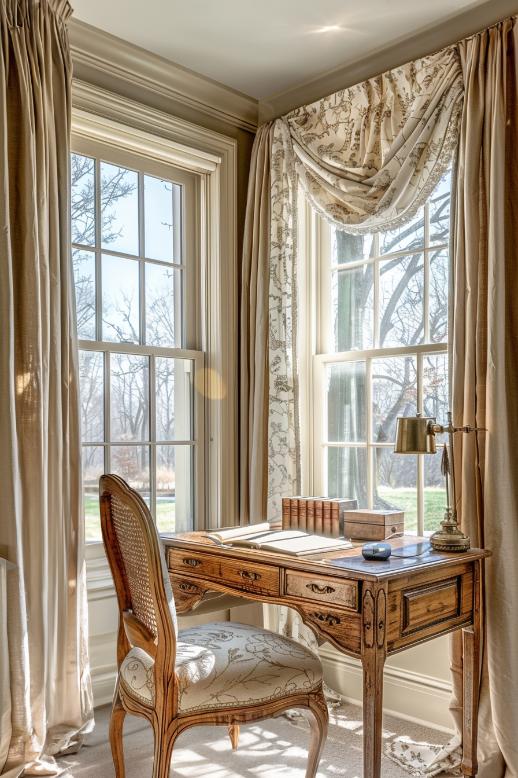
x=318 y=515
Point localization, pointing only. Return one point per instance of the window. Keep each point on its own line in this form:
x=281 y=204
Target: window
x=381 y=353
x=135 y=267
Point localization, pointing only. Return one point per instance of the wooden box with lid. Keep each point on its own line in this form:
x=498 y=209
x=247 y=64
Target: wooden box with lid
x=366 y=524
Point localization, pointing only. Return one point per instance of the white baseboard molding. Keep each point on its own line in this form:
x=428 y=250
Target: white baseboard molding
x=406 y=694
x=103 y=684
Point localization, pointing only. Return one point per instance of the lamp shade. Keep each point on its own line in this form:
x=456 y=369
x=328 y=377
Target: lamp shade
x=414 y=435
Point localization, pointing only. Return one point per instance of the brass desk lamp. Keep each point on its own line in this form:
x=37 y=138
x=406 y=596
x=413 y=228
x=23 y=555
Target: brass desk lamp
x=416 y=435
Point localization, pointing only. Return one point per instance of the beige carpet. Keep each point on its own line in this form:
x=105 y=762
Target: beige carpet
x=276 y=748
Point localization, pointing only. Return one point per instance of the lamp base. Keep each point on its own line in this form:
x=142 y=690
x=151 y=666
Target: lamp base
x=450 y=537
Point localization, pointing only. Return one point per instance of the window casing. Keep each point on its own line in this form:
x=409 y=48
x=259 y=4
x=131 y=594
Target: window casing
x=136 y=257
x=379 y=350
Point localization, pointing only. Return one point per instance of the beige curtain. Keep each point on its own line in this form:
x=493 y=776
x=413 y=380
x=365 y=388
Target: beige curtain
x=485 y=386
x=41 y=527
x=485 y=374
x=254 y=334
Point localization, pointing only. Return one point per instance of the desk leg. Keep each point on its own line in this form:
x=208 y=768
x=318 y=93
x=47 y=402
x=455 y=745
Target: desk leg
x=471 y=682
x=373 y=659
x=372 y=713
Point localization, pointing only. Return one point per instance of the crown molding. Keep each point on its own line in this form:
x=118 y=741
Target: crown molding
x=97 y=52
x=427 y=41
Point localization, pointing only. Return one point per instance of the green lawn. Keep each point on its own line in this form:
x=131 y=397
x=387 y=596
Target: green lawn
x=434 y=505
x=405 y=499
x=165 y=517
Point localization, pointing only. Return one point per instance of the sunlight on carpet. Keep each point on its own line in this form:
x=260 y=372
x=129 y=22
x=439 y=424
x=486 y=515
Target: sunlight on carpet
x=276 y=748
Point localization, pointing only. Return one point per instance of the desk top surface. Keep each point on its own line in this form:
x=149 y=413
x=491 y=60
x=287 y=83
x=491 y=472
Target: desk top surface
x=346 y=562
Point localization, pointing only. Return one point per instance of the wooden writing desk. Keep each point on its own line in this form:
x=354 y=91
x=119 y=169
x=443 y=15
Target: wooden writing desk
x=369 y=610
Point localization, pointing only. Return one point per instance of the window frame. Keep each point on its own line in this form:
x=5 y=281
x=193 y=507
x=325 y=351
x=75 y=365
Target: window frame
x=123 y=122
x=190 y=305
x=315 y=351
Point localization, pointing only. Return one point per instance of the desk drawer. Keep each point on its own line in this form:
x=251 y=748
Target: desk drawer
x=235 y=572
x=329 y=591
x=429 y=605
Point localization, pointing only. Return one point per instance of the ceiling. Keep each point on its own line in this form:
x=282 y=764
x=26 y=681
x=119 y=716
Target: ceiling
x=264 y=47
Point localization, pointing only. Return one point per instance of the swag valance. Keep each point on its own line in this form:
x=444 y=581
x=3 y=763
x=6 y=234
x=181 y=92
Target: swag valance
x=369 y=156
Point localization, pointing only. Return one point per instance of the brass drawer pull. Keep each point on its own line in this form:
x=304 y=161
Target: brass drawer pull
x=327 y=618
x=320 y=589
x=187 y=587
x=191 y=562
x=249 y=575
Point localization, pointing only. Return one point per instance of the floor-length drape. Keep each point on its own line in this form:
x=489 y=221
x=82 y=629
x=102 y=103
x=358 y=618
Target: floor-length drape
x=41 y=526
x=485 y=387
x=485 y=373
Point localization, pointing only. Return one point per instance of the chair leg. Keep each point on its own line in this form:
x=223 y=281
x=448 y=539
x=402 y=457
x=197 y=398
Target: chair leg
x=116 y=742
x=233 y=733
x=318 y=722
x=162 y=753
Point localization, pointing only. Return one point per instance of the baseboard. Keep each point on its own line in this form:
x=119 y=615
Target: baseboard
x=406 y=694
x=103 y=684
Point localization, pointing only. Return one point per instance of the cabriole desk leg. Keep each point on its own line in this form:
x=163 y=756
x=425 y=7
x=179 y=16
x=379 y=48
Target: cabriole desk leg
x=471 y=679
x=373 y=659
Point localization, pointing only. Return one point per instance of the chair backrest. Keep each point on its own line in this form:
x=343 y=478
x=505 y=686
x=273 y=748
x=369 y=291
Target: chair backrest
x=136 y=560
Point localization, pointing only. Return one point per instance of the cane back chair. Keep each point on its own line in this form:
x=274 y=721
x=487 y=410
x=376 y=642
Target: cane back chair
x=219 y=673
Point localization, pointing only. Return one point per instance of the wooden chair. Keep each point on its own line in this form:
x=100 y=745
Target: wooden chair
x=219 y=673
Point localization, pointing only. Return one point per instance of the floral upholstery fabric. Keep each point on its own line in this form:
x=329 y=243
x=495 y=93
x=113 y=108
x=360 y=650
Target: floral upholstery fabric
x=222 y=665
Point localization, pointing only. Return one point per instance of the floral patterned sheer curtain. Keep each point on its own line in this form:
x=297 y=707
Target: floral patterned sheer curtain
x=367 y=157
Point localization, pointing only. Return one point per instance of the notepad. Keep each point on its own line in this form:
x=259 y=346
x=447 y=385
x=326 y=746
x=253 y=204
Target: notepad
x=292 y=542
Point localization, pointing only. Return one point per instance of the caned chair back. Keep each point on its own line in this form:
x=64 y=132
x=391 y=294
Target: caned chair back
x=137 y=563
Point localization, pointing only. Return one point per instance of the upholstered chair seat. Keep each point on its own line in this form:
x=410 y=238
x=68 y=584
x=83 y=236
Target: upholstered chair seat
x=224 y=665
x=220 y=673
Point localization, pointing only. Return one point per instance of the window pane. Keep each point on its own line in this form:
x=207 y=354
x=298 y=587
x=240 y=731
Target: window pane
x=119 y=209
x=163 y=306
x=91 y=383
x=401 y=301
x=174 y=488
x=406 y=238
x=129 y=397
x=352 y=305
x=93 y=468
x=434 y=491
x=439 y=206
x=120 y=300
x=436 y=389
x=160 y=227
x=346 y=393
x=439 y=280
x=350 y=248
x=132 y=464
x=347 y=474
x=394 y=393
x=84 y=280
x=82 y=203
x=173 y=391
x=395 y=479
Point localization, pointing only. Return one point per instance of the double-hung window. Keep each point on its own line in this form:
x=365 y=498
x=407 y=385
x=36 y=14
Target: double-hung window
x=135 y=255
x=381 y=352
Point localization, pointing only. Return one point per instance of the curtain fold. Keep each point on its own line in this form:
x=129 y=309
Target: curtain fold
x=41 y=528
x=254 y=383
